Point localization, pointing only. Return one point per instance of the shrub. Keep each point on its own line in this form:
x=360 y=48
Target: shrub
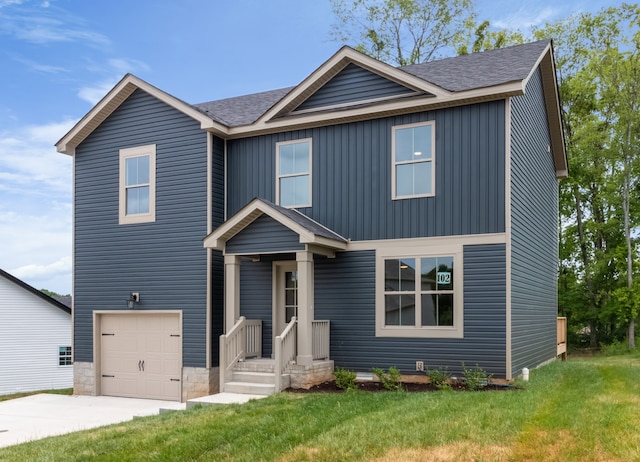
x=390 y=380
x=439 y=378
x=475 y=378
x=345 y=379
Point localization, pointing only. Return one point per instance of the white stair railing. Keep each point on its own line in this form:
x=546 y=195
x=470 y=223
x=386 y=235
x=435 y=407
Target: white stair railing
x=320 y=339
x=285 y=346
x=243 y=339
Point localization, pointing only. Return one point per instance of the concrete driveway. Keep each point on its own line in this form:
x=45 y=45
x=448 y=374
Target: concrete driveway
x=38 y=416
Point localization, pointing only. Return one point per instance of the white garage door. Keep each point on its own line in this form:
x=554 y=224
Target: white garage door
x=141 y=355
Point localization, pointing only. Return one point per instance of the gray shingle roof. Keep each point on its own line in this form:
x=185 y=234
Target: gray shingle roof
x=304 y=221
x=481 y=70
x=460 y=73
x=242 y=110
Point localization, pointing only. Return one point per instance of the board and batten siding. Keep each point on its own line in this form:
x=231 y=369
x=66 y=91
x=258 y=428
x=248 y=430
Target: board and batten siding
x=32 y=332
x=534 y=232
x=345 y=294
x=351 y=175
x=264 y=235
x=353 y=84
x=164 y=260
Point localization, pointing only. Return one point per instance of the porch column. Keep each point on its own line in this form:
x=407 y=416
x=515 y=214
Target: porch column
x=305 y=307
x=231 y=291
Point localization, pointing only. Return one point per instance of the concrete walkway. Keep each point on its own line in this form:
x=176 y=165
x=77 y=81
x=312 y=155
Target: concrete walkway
x=38 y=416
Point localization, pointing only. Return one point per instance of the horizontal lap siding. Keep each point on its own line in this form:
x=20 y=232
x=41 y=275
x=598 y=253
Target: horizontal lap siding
x=351 y=175
x=534 y=232
x=165 y=260
x=255 y=298
x=217 y=260
x=353 y=84
x=345 y=294
x=264 y=235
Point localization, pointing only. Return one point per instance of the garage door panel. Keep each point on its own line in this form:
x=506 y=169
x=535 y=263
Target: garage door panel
x=142 y=355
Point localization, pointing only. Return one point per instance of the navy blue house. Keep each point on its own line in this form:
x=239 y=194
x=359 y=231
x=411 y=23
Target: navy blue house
x=370 y=216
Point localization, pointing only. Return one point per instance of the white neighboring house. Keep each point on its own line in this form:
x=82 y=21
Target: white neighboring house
x=35 y=339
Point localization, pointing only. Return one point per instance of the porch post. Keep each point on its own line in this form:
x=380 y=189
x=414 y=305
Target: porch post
x=231 y=291
x=305 y=307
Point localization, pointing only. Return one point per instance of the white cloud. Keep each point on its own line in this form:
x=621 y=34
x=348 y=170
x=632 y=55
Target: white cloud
x=35 y=206
x=33 y=271
x=95 y=93
x=39 y=67
x=526 y=18
x=119 y=67
x=42 y=25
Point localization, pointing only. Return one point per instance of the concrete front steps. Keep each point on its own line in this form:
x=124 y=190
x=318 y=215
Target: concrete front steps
x=255 y=377
x=251 y=379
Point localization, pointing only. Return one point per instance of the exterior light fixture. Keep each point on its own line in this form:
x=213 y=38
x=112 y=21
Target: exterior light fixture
x=133 y=298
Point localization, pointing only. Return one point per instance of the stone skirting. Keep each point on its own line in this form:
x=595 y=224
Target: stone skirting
x=307 y=376
x=199 y=381
x=84 y=379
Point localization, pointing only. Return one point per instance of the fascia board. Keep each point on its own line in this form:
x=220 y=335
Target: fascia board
x=112 y=100
x=552 y=103
x=380 y=110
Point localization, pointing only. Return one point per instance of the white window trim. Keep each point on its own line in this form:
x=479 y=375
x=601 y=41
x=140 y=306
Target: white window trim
x=455 y=331
x=148 y=150
x=394 y=196
x=70 y=356
x=309 y=173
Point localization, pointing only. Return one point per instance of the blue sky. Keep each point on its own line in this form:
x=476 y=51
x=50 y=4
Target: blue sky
x=59 y=57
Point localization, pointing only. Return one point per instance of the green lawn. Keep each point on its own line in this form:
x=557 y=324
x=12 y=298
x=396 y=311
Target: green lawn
x=580 y=410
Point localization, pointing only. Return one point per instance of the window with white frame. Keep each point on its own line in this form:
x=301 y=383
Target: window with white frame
x=293 y=170
x=413 y=153
x=138 y=184
x=64 y=356
x=419 y=294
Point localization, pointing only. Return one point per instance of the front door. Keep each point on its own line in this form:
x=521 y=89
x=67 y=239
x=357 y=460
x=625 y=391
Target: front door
x=285 y=300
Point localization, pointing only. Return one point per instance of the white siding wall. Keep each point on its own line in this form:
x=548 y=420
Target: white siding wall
x=31 y=330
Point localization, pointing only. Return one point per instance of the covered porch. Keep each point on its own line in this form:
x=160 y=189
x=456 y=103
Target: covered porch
x=285 y=242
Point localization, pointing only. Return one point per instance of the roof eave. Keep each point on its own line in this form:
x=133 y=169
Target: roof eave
x=116 y=96
x=379 y=110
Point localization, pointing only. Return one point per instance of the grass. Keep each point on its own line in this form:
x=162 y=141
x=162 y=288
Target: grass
x=62 y=391
x=580 y=410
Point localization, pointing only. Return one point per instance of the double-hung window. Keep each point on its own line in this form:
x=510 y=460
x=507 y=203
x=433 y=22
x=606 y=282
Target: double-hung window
x=293 y=170
x=138 y=184
x=413 y=153
x=64 y=356
x=419 y=294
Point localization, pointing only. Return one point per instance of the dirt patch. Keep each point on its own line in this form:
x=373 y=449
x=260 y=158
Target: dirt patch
x=412 y=387
x=456 y=452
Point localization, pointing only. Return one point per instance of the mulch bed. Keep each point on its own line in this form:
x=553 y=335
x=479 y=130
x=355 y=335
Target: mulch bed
x=330 y=387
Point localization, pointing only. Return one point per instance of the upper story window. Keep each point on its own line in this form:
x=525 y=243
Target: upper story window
x=413 y=154
x=138 y=184
x=419 y=293
x=293 y=170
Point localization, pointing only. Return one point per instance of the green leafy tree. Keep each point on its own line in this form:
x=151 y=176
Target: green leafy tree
x=402 y=32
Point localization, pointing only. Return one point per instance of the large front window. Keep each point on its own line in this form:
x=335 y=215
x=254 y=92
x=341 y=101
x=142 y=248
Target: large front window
x=419 y=294
x=137 y=184
x=413 y=155
x=293 y=183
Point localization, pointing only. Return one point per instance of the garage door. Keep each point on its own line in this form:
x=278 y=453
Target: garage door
x=141 y=355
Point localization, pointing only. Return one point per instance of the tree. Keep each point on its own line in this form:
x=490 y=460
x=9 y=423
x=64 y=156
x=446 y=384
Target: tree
x=402 y=32
x=598 y=67
x=485 y=38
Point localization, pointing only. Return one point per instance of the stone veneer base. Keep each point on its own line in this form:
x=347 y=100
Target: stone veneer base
x=307 y=376
x=196 y=381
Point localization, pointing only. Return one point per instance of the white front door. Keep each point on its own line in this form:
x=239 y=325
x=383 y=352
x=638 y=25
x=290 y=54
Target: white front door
x=285 y=299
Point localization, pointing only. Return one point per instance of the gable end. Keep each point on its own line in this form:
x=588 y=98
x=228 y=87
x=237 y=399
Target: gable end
x=354 y=84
